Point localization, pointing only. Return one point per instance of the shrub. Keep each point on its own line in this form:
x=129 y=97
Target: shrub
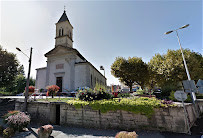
x=124 y=95
x=18 y=121
x=52 y=90
x=8 y=132
x=167 y=89
x=86 y=96
x=171 y=97
x=9 y=114
x=167 y=101
x=31 y=90
x=99 y=87
x=115 y=94
x=143 y=105
x=90 y=96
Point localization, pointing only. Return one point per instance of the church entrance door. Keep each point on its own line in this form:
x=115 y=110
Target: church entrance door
x=59 y=82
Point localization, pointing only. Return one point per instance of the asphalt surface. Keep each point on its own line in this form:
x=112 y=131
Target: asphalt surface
x=76 y=132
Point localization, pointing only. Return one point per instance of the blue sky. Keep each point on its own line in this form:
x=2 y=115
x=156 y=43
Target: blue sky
x=103 y=30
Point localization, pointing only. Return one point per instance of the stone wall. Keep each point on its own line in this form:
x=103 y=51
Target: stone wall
x=164 y=119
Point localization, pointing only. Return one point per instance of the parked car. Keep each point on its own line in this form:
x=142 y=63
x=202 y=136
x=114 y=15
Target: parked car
x=157 y=93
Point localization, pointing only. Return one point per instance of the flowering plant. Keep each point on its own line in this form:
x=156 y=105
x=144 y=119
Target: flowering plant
x=9 y=114
x=31 y=89
x=53 y=89
x=166 y=101
x=18 y=121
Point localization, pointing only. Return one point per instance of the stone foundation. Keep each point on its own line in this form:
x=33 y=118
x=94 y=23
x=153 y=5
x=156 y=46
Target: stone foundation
x=164 y=119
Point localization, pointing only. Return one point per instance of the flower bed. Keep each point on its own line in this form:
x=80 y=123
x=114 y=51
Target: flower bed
x=141 y=105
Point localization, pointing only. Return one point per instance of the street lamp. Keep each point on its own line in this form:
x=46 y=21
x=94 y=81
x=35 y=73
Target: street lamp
x=28 y=77
x=186 y=68
x=102 y=68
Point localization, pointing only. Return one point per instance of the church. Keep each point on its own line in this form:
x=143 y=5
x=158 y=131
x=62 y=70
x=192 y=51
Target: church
x=66 y=67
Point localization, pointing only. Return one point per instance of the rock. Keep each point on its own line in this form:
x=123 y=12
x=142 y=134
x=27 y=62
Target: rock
x=125 y=134
x=45 y=131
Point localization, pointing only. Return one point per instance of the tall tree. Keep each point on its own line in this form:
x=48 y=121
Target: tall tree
x=21 y=70
x=169 y=68
x=8 y=68
x=130 y=71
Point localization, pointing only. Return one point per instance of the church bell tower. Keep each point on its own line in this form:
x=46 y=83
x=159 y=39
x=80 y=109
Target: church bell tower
x=64 y=32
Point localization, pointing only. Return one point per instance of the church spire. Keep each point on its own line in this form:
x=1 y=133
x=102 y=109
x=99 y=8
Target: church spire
x=63 y=17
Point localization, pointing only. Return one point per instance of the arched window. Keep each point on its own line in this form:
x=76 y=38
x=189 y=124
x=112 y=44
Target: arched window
x=91 y=80
x=70 y=35
x=61 y=32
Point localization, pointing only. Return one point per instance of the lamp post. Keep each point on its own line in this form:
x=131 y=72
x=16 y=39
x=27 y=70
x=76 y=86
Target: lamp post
x=102 y=68
x=186 y=68
x=28 y=78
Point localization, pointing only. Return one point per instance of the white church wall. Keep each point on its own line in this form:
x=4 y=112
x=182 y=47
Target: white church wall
x=97 y=77
x=41 y=79
x=60 y=72
x=80 y=75
x=78 y=59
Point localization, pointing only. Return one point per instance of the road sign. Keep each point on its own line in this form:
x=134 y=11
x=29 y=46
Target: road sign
x=200 y=86
x=200 y=83
x=180 y=95
x=200 y=90
x=189 y=86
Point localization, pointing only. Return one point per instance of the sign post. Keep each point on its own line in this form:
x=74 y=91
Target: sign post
x=190 y=87
x=182 y=96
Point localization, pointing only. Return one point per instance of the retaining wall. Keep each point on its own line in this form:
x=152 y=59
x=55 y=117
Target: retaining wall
x=164 y=119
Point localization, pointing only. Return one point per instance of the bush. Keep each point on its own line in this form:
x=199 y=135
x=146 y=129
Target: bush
x=9 y=114
x=171 y=97
x=167 y=89
x=143 y=105
x=18 y=121
x=90 y=96
x=52 y=90
x=8 y=132
x=86 y=96
x=124 y=95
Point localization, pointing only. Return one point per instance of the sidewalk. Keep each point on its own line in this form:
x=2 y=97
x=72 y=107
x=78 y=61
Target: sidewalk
x=76 y=132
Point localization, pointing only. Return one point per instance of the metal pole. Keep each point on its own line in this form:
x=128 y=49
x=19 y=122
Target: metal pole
x=186 y=68
x=186 y=116
x=28 y=80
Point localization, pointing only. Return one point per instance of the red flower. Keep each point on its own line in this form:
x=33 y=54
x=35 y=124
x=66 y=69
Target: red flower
x=31 y=89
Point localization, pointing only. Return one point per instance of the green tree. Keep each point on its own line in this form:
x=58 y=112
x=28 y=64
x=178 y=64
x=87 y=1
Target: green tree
x=32 y=82
x=169 y=68
x=20 y=83
x=130 y=71
x=8 y=68
x=21 y=70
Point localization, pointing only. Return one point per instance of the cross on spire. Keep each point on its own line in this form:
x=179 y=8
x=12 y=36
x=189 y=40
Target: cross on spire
x=64 y=8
